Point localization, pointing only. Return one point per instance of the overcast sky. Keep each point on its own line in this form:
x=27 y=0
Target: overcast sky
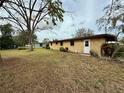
x=82 y=13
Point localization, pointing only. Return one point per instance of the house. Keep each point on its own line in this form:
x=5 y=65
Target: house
x=36 y=45
x=84 y=44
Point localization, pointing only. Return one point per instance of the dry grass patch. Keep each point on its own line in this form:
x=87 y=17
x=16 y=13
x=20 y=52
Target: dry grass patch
x=46 y=71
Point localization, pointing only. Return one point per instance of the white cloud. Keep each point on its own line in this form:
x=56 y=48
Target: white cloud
x=82 y=13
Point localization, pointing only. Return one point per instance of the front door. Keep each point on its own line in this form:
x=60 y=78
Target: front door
x=87 y=46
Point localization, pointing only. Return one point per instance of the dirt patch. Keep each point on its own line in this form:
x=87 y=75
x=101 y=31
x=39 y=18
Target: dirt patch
x=10 y=61
x=44 y=71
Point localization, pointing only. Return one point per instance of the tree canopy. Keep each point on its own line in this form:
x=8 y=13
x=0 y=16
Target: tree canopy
x=28 y=14
x=82 y=32
x=6 y=41
x=113 y=18
x=22 y=39
x=1 y=2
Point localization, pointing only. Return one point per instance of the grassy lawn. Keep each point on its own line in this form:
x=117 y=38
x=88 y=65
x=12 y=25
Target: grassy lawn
x=47 y=71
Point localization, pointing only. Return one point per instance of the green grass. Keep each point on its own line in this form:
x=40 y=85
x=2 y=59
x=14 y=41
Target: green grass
x=47 y=71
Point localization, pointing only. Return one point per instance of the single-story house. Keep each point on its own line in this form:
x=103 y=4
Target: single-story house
x=83 y=44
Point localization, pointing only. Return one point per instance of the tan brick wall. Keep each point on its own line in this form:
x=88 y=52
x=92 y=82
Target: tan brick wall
x=55 y=46
x=78 y=46
x=95 y=45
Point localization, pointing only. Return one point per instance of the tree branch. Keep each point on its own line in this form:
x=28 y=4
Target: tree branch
x=18 y=22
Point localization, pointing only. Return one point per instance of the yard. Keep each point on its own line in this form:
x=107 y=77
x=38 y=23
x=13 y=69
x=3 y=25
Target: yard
x=47 y=71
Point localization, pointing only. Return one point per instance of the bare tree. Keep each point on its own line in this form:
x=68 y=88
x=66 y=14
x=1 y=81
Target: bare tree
x=82 y=32
x=113 y=18
x=28 y=14
x=1 y=2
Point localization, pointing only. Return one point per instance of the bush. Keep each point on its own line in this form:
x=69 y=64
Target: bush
x=108 y=49
x=119 y=52
x=63 y=49
x=47 y=47
x=94 y=54
x=22 y=48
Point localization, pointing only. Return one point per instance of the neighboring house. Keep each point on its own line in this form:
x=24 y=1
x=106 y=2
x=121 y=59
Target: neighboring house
x=37 y=45
x=45 y=43
x=83 y=44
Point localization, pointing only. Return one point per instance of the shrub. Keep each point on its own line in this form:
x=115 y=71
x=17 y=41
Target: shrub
x=119 y=52
x=22 y=48
x=47 y=47
x=94 y=54
x=108 y=49
x=62 y=49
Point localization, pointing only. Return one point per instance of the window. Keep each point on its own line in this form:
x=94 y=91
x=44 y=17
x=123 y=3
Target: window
x=72 y=43
x=86 y=43
x=61 y=43
x=51 y=44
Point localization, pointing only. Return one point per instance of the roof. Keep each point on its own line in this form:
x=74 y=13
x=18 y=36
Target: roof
x=108 y=37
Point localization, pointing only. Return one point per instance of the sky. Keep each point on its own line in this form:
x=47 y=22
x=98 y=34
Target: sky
x=80 y=13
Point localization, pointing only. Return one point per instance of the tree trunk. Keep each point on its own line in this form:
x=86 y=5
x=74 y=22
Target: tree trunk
x=1 y=58
x=30 y=46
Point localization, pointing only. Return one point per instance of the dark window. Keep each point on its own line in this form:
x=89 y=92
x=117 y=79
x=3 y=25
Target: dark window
x=61 y=43
x=86 y=43
x=51 y=44
x=72 y=43
x=56 y=43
